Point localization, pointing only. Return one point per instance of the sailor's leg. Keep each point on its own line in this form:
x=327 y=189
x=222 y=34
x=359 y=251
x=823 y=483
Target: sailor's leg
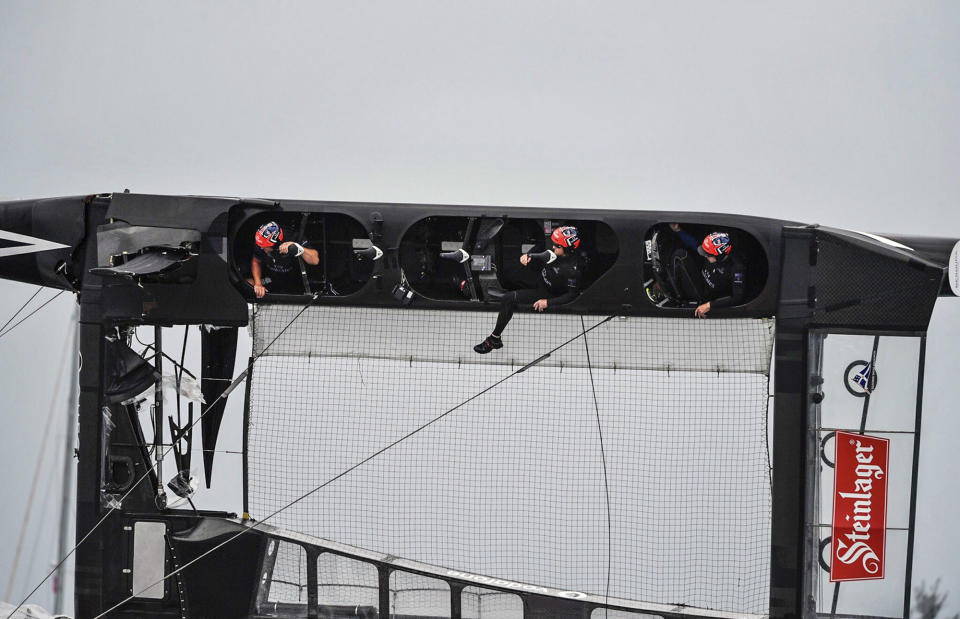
x=508 y=305
x=515 y=298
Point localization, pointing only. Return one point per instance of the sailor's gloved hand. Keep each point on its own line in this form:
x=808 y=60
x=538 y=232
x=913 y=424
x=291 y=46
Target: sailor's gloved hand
x=290 y=246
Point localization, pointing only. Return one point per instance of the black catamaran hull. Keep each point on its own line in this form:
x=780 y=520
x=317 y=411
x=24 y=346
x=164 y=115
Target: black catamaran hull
x=198 y=253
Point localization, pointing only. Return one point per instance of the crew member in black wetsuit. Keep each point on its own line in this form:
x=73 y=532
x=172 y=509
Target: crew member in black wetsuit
x=561 y=278
x=717 y=280
x=279 y=257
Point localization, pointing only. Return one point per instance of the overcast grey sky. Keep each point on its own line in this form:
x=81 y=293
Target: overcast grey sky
x=835 y=113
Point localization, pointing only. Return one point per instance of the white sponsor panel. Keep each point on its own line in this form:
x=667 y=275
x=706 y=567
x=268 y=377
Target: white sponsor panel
x=953 y=269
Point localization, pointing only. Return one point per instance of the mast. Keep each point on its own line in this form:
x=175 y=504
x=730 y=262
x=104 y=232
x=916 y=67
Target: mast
x=65 y=503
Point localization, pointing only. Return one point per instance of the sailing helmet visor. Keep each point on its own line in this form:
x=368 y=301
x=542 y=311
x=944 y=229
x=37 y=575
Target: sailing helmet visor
x=567 y=237
x=268 y=235
x=716 y=244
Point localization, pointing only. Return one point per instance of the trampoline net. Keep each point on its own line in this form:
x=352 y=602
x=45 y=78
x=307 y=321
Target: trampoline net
x=630 y=462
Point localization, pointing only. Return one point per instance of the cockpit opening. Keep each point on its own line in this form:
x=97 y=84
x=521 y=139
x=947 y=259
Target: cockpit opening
x=689 y=265
x=304 y=253
x=478 y=258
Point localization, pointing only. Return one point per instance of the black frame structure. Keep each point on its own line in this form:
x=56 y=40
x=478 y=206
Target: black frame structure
x=817 y=278
x=816 y=458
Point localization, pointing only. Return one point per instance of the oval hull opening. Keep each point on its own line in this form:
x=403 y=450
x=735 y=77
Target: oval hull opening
x=341 y=267
x=477 y=259
x=677 y=274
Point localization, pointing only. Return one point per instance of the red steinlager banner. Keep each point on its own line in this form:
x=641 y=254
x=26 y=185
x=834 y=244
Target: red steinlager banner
x=859 y=507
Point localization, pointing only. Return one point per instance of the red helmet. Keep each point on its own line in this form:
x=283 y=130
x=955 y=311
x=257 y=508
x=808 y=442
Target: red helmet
x=566 y=236
x=268 y=235
x=716 y=244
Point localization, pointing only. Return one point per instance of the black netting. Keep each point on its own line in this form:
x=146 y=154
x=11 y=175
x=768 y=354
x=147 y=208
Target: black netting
x=856 y=287
x=510 y=483
x=288 y=582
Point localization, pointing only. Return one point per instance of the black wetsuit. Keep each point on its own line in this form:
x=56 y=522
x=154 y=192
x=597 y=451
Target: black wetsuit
x=560 y=283
x=282 y=269
x=721 y=283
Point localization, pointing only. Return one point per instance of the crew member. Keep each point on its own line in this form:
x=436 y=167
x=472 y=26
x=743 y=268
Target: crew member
x=279 y=258
x=561 y=278
x=715 y=280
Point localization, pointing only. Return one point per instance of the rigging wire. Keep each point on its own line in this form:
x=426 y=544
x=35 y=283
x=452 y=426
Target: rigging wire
x=31 y=313
x=603 y=459
x=36 y=474
x=51 y=485
x=349 y=470
x=178 y=370
x=150 y=469
x=16 y=313
x=176 y=365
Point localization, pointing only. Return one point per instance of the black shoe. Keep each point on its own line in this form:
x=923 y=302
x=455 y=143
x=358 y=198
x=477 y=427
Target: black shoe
x=491 y=343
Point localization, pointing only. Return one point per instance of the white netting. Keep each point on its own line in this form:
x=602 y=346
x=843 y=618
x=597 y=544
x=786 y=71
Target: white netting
x=510 y=483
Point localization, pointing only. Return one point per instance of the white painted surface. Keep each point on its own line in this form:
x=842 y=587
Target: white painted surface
x=149 y=557
x=954 y=269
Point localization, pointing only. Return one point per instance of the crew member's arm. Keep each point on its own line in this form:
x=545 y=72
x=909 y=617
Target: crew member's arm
x=309 y=255
x=685 y=237
x=255 y=273
x=533 y=256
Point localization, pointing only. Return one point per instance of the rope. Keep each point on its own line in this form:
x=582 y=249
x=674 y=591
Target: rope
x=9 y=320
x=30 y=314
x=355 y=466
x=150 y=469
x=41 y=534
x=178 y=371
x=603 y=459
x=177 y=366
x=36 y=474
